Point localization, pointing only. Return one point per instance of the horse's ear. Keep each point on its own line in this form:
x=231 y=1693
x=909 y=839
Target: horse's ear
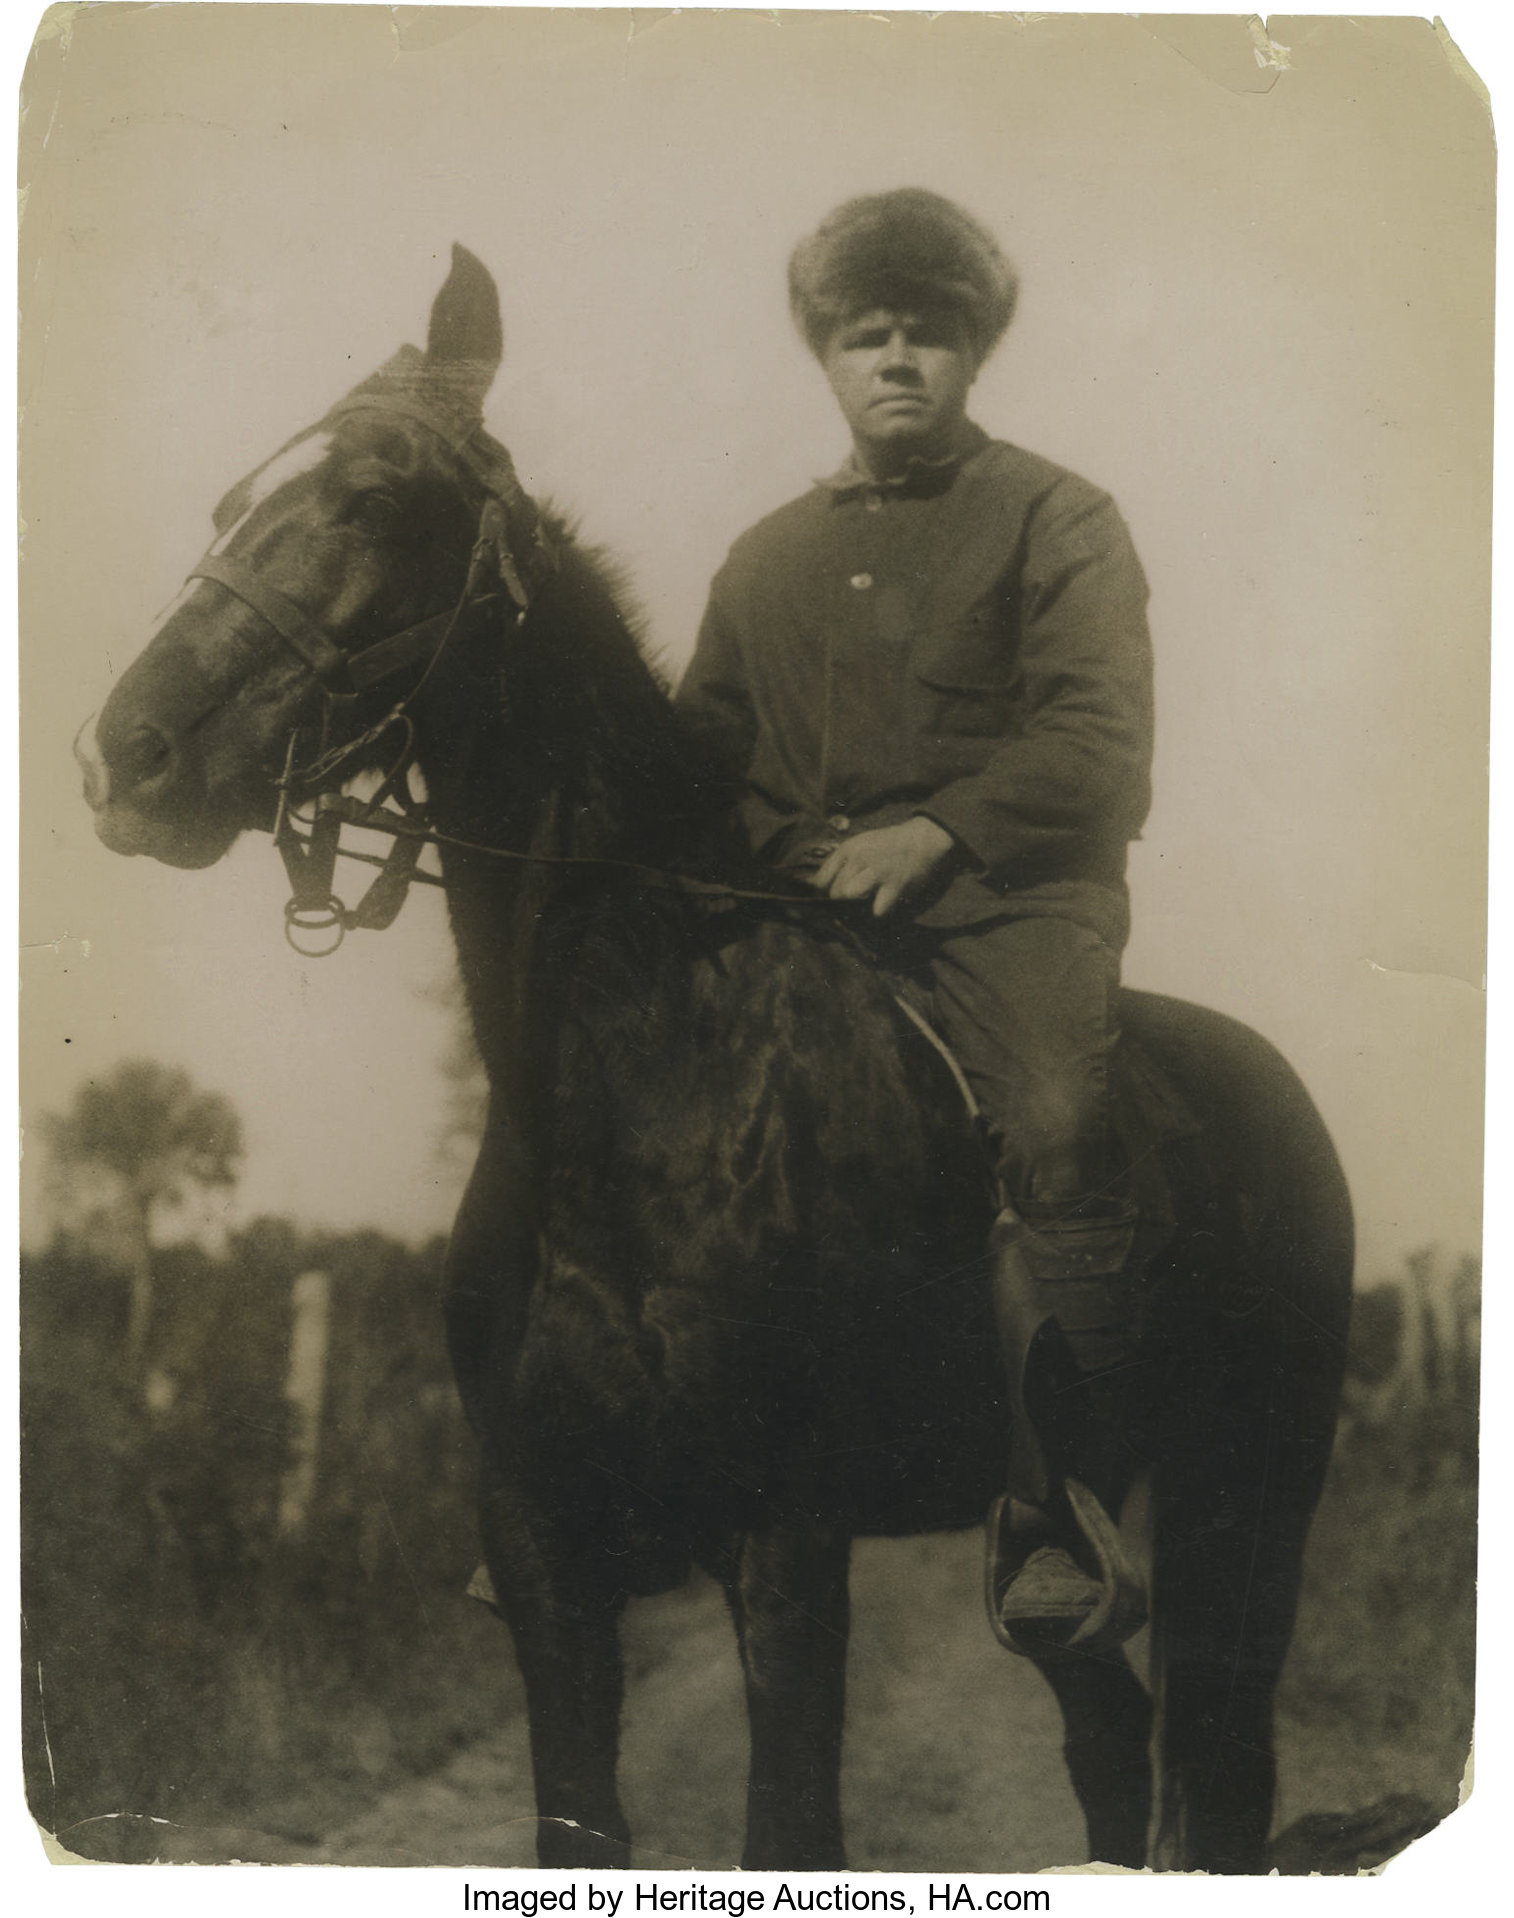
x=466 y=340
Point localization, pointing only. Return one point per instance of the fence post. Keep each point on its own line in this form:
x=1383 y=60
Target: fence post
x=305 y=1388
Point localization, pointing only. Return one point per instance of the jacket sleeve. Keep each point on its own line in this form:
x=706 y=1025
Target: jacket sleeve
x=1078 y=770
x=714 y=696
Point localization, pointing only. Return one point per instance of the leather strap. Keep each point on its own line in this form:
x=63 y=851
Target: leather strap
x=386 y=656
x=338 y=672
x=346 y=674
x=455 y=436
x=294 y=626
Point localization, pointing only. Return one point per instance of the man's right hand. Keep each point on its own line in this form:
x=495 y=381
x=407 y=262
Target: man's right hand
x=886 y=863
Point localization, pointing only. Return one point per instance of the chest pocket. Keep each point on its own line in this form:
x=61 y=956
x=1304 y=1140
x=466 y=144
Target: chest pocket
x=967 y=676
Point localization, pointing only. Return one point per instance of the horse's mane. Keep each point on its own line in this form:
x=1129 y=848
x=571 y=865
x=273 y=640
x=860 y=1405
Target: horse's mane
x=575 y=749
x=596 y=683
x=631 y=764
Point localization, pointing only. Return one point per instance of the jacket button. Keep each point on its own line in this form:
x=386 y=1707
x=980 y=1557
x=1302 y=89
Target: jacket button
x=862 y=581
x=838 y=822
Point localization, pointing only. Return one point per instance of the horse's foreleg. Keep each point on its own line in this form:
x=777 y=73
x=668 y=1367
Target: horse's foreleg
x=564 y=1615
x=490 y=1266
x=1106 y=1718
x=788 y=1596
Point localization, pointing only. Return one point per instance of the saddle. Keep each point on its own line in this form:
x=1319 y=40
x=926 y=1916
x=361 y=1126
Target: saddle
x=1149 y=1116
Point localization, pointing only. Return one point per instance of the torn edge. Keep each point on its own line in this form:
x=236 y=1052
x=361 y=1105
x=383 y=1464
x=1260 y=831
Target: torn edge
x=1462 y=67
x=1268 y=53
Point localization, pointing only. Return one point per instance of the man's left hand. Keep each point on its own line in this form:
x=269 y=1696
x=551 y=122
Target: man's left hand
x=888 y=863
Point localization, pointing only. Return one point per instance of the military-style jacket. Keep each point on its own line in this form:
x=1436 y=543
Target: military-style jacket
x=968 y=642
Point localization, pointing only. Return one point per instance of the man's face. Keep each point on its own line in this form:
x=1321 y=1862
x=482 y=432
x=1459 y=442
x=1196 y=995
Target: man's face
x=901 y=379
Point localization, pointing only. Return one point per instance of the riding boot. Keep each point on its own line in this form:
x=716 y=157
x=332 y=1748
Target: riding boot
x=1058 y=1576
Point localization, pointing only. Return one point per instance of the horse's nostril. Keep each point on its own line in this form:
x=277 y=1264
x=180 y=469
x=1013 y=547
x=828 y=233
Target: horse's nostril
x=144 y=757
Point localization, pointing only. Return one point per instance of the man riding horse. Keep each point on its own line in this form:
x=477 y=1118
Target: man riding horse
x=696 y=1281
x=933 y=672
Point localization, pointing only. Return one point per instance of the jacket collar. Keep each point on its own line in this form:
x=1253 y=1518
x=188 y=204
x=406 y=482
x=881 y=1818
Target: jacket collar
x=920 y=479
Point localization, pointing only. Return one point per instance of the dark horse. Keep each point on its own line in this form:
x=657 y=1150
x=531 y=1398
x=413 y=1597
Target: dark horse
x=717 y=1287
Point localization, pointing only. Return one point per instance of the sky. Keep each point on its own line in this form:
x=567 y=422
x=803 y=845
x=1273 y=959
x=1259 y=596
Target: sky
x=1257 y=289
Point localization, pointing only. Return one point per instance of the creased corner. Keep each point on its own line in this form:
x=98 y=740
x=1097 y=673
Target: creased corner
x=57 y=23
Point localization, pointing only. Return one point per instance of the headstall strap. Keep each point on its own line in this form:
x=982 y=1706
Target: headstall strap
x=508 y=511
x=507 y=504
x=494 y=533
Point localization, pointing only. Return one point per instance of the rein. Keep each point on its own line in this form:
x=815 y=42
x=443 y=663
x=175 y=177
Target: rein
x=410 y=827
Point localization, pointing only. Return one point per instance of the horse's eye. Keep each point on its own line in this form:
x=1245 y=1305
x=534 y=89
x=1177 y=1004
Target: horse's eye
x=375 y=512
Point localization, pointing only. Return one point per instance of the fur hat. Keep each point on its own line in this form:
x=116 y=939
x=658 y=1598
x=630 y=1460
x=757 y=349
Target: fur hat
x=900 y=249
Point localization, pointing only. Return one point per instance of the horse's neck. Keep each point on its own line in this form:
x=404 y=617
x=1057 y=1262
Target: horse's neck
x=583 y=765
x=497 y=902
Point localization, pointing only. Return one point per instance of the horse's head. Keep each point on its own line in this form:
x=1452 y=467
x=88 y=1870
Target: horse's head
x=327 y=587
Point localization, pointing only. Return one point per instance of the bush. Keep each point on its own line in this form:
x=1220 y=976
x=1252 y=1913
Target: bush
x=196 y=1646
x=1381 y=1677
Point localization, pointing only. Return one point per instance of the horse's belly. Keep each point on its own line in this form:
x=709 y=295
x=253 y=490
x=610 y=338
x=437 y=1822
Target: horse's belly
x=882 y=1412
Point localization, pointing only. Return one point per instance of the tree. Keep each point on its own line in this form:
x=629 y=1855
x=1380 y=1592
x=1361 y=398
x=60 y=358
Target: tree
x=147 y=1134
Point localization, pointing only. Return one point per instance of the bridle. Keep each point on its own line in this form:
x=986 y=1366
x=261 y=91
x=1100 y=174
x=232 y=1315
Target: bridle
x=508 y=513
x=313 y=909
x=344 y=675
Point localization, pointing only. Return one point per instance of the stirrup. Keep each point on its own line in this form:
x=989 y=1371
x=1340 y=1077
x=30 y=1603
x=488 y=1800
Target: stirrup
x=1110 y=1609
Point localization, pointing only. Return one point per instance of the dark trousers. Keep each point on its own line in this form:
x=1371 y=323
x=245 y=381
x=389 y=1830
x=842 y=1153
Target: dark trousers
x=1027 y=1003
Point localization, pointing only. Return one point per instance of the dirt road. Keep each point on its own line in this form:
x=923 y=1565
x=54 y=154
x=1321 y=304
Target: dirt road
x=953 y=1759
x=953 y=1755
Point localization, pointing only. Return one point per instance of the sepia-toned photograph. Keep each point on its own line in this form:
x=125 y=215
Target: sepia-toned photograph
x=754 y=828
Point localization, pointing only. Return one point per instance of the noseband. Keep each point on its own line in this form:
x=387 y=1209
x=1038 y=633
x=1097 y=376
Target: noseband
x=310 y=859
